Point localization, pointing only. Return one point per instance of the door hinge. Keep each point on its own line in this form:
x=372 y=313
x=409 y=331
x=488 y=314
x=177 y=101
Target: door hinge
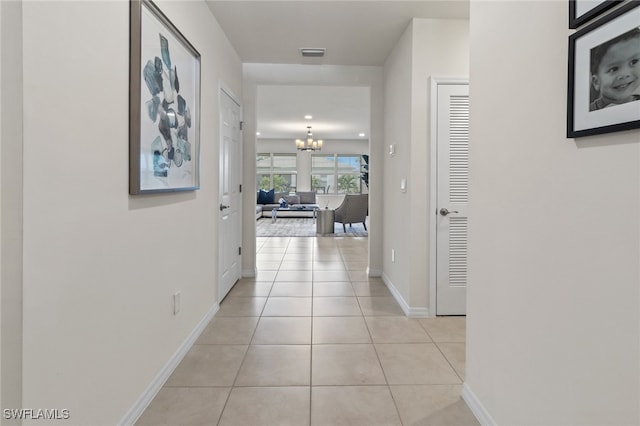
x=239 y=251
x=241 y=125
x=240 y=187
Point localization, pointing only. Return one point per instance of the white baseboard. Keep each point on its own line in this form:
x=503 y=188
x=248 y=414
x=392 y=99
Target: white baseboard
x=249 y=273
x=408 y=310
x=419 y=313
x=476 y=406
x=374 y=272
x=396 y=294
x=156 y=384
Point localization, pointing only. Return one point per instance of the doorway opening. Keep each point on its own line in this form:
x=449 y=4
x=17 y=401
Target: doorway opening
x=320 y=177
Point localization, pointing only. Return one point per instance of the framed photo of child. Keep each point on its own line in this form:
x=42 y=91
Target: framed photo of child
x=604 y=74
x=582 y=11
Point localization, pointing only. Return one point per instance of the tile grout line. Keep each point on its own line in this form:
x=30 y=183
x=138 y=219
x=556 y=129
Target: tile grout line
x=313 y=270
x=260 y=316
x=235 y=379
x=449 y=362
x=375 y=349
x=440 y=350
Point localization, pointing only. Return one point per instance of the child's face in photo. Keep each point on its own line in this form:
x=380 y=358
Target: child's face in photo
x=618 y=74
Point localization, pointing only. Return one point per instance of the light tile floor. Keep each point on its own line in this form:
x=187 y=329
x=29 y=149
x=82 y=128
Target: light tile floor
x=320 y=344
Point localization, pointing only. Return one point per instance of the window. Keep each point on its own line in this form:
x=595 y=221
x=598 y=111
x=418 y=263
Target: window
x=276 y=171
x=336 y=174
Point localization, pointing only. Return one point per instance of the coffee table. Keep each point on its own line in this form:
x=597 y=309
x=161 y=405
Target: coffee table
x=274 y=212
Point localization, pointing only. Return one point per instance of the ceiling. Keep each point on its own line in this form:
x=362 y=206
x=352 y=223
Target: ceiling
x=337 y=112
x=359 y=32
x=353 y=32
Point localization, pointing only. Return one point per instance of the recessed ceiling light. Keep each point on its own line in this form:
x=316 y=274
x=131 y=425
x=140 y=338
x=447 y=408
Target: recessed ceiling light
x=257 y=133
x=308 y=117
x=362 y=135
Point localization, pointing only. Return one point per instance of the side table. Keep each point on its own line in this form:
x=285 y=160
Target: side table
x=324 y=222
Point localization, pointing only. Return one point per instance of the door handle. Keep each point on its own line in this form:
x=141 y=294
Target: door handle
x=445 y=212
x=222 y=207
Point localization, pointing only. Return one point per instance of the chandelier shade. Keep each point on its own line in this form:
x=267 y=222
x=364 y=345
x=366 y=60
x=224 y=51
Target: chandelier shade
x=309 y=144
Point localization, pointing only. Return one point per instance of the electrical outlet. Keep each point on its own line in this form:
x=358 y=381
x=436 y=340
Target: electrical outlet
x=176 y=303
x=393 y=256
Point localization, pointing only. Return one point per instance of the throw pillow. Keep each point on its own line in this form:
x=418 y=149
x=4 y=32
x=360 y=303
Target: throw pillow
x=292 y=199
x=307 y=197
x=266 y=197
x=278 y=195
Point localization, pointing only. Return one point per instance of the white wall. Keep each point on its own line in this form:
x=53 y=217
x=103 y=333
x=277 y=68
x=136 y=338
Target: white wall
x=441 y=48
x=553 y=302
x=429 y=47
x=100 y=266
x=325 y=75
x=397 y=131
x=11 y=192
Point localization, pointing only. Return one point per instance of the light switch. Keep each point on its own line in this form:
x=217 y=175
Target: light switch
x=403 y=185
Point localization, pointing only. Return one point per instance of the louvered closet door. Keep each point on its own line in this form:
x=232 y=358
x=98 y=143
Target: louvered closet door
x=453 y=196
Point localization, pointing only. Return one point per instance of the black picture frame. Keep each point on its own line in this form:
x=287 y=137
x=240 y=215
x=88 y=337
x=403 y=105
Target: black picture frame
x=164 y=104
x=615 y=107
x=582 y=11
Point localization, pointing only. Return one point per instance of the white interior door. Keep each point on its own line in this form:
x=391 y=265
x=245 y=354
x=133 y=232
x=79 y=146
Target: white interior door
x=452 y=198
x=230 y=225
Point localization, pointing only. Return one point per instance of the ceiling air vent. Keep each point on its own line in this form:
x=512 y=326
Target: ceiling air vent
x=317 y=52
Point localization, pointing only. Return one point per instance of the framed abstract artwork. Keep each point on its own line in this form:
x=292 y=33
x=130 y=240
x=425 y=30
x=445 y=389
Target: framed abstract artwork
x=582 y=11
x=164 y=104
x=604 y=74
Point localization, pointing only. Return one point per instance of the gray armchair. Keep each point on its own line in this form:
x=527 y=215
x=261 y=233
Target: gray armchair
x=353 y=209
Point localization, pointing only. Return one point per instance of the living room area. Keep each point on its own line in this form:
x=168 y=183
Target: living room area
x=312 y=161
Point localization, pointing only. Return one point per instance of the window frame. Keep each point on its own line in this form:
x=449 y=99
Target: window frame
x=336 y=173
x=271 y=171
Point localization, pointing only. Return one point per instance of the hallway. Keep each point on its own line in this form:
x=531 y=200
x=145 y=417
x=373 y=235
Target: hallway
x=313 y=340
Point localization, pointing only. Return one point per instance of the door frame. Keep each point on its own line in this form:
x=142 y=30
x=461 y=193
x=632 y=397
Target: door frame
x=224 y=89
x=433 y=183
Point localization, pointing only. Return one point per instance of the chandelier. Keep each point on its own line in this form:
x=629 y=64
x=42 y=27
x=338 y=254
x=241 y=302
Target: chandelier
x=309 y=144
